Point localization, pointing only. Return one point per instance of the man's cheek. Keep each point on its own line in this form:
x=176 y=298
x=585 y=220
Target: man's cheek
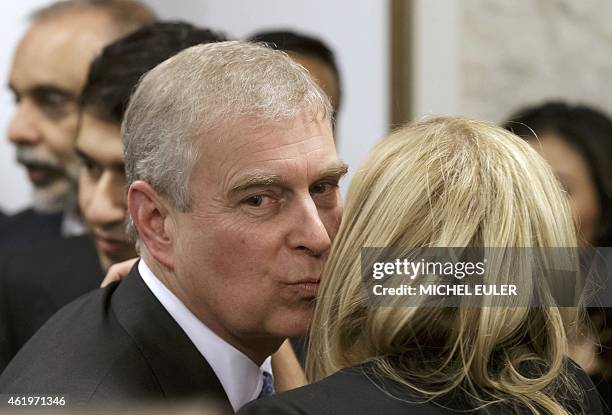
x=85 y=190
x=333 y=219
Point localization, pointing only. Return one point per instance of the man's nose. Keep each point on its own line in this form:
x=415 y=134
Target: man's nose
x=106 y=206
x=308 y=231
x=23 y=128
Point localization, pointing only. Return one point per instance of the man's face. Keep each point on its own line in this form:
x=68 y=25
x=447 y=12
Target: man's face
x=102 y=188
x=266 y=206
x=49 y=69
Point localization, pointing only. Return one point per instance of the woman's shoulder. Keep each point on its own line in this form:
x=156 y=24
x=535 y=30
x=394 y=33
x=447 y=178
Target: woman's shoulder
x=362 y=390
x=591 y=400
x=354 y=391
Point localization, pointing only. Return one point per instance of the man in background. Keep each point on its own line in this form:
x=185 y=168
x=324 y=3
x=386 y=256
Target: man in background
x=47 y=74
x=31 y=291
x=233 y=193
x=313 y=54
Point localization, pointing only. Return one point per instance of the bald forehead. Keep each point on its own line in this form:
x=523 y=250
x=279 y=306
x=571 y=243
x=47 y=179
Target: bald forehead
x=95 y=25
x=58 y=50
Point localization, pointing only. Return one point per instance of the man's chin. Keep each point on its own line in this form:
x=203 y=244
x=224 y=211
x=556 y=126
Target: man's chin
x=53 y=197
x=295 y=326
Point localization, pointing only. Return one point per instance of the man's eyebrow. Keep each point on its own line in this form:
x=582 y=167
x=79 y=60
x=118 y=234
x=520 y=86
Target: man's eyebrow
x=117 y=165
x=42 y=91
x=255 y=180
x=336 y=170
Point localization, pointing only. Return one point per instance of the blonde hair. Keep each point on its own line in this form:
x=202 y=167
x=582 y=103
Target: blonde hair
x=449 y=182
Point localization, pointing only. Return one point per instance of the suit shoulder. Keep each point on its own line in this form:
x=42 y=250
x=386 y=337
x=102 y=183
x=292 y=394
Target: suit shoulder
x=27 y=216
x=58 y=262
x=272 y=406
x=74 y=352
x=53 y=250
x=114 y=386
x=34 y=285
x=359 y=390
x=346 y=392
x=327 y=396
x=591 y=402
x=27 y=227
x=353 y=391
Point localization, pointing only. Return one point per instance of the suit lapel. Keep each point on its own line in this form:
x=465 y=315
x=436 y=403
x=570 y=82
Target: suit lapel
x=179 y=367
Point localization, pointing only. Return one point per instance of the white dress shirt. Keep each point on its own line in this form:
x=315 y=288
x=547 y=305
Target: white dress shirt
x=240 y=377
x=72 y=223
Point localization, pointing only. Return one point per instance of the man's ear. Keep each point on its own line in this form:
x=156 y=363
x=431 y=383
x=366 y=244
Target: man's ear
x=151 y=214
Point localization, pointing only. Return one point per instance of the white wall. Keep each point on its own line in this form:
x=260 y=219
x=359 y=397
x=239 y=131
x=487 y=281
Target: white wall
x=487 y=58
x=355 y=29
x=436 y=37
x=523 y=52
x=14 y=184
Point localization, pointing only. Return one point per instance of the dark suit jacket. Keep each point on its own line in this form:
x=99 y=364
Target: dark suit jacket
x=360 y=390
x=26 y=228
x=36 y=283
x=116 y=344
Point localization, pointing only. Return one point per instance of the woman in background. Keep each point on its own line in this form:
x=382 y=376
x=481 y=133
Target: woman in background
x=446 y=182
x=576 y=141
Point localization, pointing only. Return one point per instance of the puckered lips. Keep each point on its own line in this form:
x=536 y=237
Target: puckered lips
x=305 y=287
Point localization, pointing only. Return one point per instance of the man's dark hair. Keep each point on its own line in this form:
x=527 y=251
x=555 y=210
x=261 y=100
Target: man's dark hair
x=289 y=41
x=115 y=73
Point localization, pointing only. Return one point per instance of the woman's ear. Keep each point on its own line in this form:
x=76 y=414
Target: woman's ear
x=150 y=214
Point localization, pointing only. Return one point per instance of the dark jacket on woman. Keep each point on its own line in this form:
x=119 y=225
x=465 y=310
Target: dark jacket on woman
x=360 y=390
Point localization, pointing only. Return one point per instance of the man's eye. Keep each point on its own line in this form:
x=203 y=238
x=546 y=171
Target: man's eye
x=320 y=187
x=93 y=170
x=52 y=99
x=254 y=201
x=55 y=106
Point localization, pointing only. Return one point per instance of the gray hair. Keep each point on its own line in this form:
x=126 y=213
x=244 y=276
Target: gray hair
x=198 y=91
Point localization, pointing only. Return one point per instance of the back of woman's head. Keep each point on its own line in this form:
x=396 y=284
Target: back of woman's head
x=448 y=182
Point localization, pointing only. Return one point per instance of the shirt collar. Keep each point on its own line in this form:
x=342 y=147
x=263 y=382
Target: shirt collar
x=240 y=377
x=72 y=223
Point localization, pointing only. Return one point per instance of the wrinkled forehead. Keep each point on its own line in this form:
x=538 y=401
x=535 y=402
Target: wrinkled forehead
x=304 y=142
x=250 y=135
